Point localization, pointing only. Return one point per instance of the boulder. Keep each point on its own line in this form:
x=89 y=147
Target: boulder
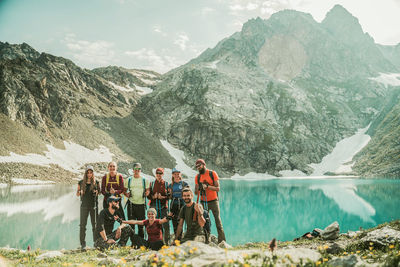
x=382 y=237
x=331 y=232
x=49 y=254
x=348 y=261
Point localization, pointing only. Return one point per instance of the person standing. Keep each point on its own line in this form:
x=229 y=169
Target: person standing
x=112 y=184
x=159 y=200
x=175 y=191
x=105 y=236
x=88 y=190
x=207 y=185
x=136 y=190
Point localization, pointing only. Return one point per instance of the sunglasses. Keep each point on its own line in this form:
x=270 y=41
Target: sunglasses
x=159 y=173
x=136 y=169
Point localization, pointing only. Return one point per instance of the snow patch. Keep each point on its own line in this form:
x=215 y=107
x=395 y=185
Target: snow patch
x=387 y=79
x=144 y=90
x=213 y=65
x=343 y=195
x=149 y=82
x=253 y=176
x=72 y=158
x=30 y=181
x=124 y=89
x=343 y=152
x=179 y=156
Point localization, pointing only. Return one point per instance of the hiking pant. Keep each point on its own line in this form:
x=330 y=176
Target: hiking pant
x=126 y=232
x=165 y=226
x=85 y=211
x=214 y=207
x=119 y=212
x=138 y=241
x=137 y=212
x=175 y=209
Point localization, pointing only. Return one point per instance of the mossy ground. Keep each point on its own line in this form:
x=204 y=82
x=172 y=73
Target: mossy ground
x=252 y=254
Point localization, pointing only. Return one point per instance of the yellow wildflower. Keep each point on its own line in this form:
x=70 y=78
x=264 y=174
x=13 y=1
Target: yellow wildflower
x=230 y=261
x=173 y=257
x=142 y=248
x=371 y=248
x=154 y=264
x=345 y=253
x=391 y=246
x=177 y=243
x=326 y=247
x=123 y=260
x=358 y=251
x=364 y=257
x=184 y=265
x=177 y=250
x=371 y=244
x=191 y=251
x=194 y=248
x=320 y=248
x=325 y=259
x=246 y=265
x=164 y=247
x=318 y=263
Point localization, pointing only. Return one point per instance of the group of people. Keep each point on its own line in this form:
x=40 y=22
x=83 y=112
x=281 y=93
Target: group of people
x=159 y=200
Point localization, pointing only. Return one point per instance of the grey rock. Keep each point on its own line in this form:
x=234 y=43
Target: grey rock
x=49 y=254
x=334 y=248
x=102 y=255
x=331 y=232
x=382 y=237
x=348 y=261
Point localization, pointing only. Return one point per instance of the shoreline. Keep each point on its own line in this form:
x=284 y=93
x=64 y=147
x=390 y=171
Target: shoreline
x=377 y=246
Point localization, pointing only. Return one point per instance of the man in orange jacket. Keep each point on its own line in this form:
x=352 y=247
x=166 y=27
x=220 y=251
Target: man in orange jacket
x=207 y=185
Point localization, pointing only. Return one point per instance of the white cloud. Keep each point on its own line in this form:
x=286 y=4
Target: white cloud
x=149 y=59
x=158 y=29
x=88 y=53
x=207 y=10
x=252 y=6
x=182 y=40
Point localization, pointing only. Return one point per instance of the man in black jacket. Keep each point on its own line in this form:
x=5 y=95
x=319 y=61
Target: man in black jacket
x=105 y=236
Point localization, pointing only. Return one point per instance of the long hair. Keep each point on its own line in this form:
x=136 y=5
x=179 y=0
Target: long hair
x=92 y=182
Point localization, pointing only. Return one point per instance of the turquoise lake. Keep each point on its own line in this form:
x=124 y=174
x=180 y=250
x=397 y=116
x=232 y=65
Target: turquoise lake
x=47 y=216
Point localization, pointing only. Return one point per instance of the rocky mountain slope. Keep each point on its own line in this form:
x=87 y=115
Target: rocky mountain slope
x=276 y=96
x=381 y=157
x=392 y=53
x=46 y=99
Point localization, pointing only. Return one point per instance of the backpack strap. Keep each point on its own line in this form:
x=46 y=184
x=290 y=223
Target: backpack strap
x=211 y=173
x=129 y=183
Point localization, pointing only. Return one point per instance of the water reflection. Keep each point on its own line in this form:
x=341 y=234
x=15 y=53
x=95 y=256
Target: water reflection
x=347 y=199
x=47 y=216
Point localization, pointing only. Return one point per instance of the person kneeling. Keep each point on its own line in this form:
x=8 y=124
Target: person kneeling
x=192 y=214
x=105 y=236
x=153 y=229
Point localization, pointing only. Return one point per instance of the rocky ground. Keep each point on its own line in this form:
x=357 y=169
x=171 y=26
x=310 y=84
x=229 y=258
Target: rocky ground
x=379 y=246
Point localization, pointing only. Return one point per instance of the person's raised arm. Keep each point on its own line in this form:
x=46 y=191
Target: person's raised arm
x=133 y=222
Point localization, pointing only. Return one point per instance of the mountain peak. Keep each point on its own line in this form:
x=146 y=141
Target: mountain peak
x=344 y=25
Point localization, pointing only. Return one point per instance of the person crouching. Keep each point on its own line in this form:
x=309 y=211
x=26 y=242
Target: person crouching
x=153 y=229
x=105 y=236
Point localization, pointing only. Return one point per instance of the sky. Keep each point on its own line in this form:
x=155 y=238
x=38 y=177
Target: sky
x=161 y=34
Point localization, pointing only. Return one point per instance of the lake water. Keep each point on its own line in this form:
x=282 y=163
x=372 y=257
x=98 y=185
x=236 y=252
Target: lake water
x=47 y=216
